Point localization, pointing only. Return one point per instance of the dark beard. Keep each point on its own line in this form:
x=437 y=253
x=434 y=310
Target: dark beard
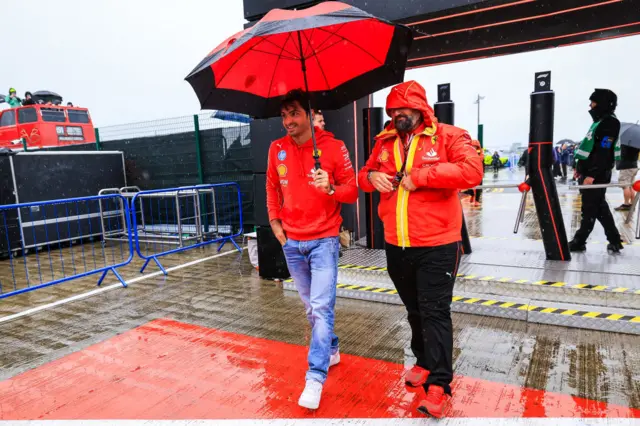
x=405 y=125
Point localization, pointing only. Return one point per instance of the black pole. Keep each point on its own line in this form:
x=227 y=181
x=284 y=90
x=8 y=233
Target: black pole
x=543 y=186
x=445 y=113
x=306 y=87
x=373 y=121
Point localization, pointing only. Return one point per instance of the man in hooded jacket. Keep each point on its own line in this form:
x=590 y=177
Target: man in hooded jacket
x=595 y=160
x=419 y=165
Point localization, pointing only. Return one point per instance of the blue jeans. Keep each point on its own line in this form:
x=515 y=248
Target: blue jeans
x=314 y=268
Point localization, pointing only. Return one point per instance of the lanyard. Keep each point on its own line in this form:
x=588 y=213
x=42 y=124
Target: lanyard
x=406 y=148
x=399 y=175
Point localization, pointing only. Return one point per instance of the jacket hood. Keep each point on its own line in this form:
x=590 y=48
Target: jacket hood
x=410 y=94
x=606 y=101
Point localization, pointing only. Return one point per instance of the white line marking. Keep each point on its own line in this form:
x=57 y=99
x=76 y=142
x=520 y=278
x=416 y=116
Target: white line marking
x=339 y=422
x=107 y=288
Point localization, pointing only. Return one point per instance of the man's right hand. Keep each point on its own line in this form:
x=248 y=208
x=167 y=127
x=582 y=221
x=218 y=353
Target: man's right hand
x=278 y=231
x=381 y=181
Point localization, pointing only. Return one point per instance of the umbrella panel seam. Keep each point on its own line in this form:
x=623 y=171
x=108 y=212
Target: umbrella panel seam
x=315 y=55
x=356 y=45
x=231 y=67
x=275 y=69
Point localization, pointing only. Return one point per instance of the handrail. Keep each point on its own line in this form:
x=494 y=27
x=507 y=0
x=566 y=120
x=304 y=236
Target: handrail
x=506 y=185
x=599 y=186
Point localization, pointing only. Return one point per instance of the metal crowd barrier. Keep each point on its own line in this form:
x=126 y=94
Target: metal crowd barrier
x=634 y=205
x=632 y=210
x=59 y=241
x=189 y=217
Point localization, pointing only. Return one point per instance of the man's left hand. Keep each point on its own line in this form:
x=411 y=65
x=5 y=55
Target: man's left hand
x=588 y=181
x=408 y=184
x=321 y=181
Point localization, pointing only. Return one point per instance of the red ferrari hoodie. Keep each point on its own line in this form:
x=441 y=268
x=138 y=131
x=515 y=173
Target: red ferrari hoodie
x=306 y=212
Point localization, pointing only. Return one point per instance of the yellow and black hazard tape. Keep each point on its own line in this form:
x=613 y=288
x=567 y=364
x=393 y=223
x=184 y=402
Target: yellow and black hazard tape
x=555 y=284
x=546 y=310
x=502 y=304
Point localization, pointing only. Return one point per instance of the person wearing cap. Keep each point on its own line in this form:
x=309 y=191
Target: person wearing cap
x=596 y=157
x=419 y=165
x=13 y=100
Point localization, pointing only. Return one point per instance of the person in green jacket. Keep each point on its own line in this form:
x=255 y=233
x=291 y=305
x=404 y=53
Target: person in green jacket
x=596 y=157
x=13 y=100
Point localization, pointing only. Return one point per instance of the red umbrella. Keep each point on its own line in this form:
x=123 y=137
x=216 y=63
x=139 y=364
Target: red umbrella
x=335 y=51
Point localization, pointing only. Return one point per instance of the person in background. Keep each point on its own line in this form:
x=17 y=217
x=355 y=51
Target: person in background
x=304 y=212
x=28 y=100
x=496 y=162
x=595 y=157
x=318 y=119
x=476 y=194
x=628 y=167
x=557 y=158
x=564 y=160
x=13 y=100
x=419 y=166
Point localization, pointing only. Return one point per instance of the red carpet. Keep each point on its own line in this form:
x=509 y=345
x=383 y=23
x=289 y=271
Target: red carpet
x=171 y=370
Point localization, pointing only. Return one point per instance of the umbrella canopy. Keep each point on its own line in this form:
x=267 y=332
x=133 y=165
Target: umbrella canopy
x=337 y=52
x=46 y=96
x=630 y=135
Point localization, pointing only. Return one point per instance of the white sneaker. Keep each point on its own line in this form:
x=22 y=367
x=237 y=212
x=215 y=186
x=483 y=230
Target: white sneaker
x=335 y=359
x=310 y=397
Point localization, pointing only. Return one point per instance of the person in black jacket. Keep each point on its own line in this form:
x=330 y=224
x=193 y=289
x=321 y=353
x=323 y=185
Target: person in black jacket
x=595 y=161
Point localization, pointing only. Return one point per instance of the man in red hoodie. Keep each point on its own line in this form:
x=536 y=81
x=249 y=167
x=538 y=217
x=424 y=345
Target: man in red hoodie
x=304 y=212
x=419 y=165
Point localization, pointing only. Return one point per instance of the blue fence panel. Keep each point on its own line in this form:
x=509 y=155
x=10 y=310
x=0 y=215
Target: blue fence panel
x=51 y=242
x=174 y=220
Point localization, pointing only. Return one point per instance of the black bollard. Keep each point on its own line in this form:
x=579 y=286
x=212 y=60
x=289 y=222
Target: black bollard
x=373 y=122
x=543 y=186
x=445 y=113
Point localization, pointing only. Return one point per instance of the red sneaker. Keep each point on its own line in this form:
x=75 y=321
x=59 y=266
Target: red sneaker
x=435 y=403
x=417 y=376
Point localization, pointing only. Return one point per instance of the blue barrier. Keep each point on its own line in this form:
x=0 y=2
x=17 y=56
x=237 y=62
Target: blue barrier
x=65 y=239
x=187 y=217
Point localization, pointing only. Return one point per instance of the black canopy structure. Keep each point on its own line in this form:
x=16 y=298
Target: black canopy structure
x=449 y=31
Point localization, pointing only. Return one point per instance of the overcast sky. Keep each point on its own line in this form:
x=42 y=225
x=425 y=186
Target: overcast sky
x=126 y=61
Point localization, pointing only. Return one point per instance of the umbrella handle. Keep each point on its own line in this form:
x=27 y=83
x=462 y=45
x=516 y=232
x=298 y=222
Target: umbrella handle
x=316 y=156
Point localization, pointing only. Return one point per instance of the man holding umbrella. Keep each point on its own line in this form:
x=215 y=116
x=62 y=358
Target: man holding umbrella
x=419 y=165
x=322 y=49
x=304 y=213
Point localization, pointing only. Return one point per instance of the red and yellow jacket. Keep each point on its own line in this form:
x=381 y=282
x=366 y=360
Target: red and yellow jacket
x=306 y=212
x=441 y=161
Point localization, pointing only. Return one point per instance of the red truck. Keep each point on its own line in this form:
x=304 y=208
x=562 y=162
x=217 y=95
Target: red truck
x=45 y=125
